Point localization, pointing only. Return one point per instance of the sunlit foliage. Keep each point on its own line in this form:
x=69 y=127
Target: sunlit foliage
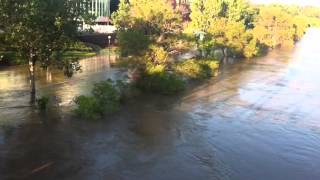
x=275 y=27
x=283 y=26
x=197 y=68
x=241 y=29
x=225 y=24
x=226 y=27
x=158 y=80
x=151 y=16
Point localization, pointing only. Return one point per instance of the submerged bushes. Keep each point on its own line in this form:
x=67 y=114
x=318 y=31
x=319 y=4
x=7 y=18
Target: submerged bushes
x=157 y=80
x=88 y=107
x=197 y=69
x=42 y=103
x=105 y=99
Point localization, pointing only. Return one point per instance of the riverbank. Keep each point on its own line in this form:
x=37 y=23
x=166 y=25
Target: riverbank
x=80 y=51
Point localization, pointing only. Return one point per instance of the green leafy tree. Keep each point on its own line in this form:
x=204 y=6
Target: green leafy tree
x=241 y=11
x=38 y=29
x=121 y=18
x=132 y=42
x=203 y=12
x=228 y=36
x=142 y=22
x=225 y=24
x=154 y=17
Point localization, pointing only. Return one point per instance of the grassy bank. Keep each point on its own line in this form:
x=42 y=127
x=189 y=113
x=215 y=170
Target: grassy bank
x=79 y=50
x=9 y=58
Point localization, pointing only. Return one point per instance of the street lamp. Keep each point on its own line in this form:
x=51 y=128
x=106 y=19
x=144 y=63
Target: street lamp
x=109 y=40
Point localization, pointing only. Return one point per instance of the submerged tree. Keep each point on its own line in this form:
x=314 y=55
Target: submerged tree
x=40 y=30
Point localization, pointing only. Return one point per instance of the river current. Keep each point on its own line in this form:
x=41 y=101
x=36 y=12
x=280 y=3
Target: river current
x=258 y=120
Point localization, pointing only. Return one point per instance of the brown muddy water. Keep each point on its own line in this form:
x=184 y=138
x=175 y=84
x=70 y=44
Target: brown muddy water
x=259 y=120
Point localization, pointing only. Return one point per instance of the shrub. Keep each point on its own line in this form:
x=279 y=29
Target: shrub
x=107 y=96
x=251 y=49
x=211 y=65
x=155 y=69
x=80 y=46
x=87 y=107
x=157 y=55
x=127 y=90
x=191 y=69
x=105 y=99
x=197 y=69
x=43 y=103
x=157 y=80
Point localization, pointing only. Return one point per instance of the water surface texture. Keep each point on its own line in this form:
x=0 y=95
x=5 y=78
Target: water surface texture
x=259 y=120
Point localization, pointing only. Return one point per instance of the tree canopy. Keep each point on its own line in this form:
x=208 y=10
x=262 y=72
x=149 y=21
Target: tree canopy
x=238 y=26
x=38 y=29
x=151 y=16
x=282 y=26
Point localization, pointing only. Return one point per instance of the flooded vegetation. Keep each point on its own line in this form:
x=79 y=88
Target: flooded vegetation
x=188 y=108
x=258 y=119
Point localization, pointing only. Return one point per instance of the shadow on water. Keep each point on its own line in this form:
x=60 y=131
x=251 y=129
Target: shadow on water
x=258 y=119
x=37 y=147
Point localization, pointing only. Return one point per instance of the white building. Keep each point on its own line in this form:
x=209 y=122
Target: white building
x=100 y=7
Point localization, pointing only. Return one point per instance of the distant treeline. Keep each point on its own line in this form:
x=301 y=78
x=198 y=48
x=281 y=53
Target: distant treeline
x=236 y=27
x=249 y=30
x=283 y=25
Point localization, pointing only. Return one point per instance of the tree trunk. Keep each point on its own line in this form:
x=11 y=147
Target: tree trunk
x=32 y=80
x=225 y=55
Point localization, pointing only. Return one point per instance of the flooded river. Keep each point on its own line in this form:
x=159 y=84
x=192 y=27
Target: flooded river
x=259 y=120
